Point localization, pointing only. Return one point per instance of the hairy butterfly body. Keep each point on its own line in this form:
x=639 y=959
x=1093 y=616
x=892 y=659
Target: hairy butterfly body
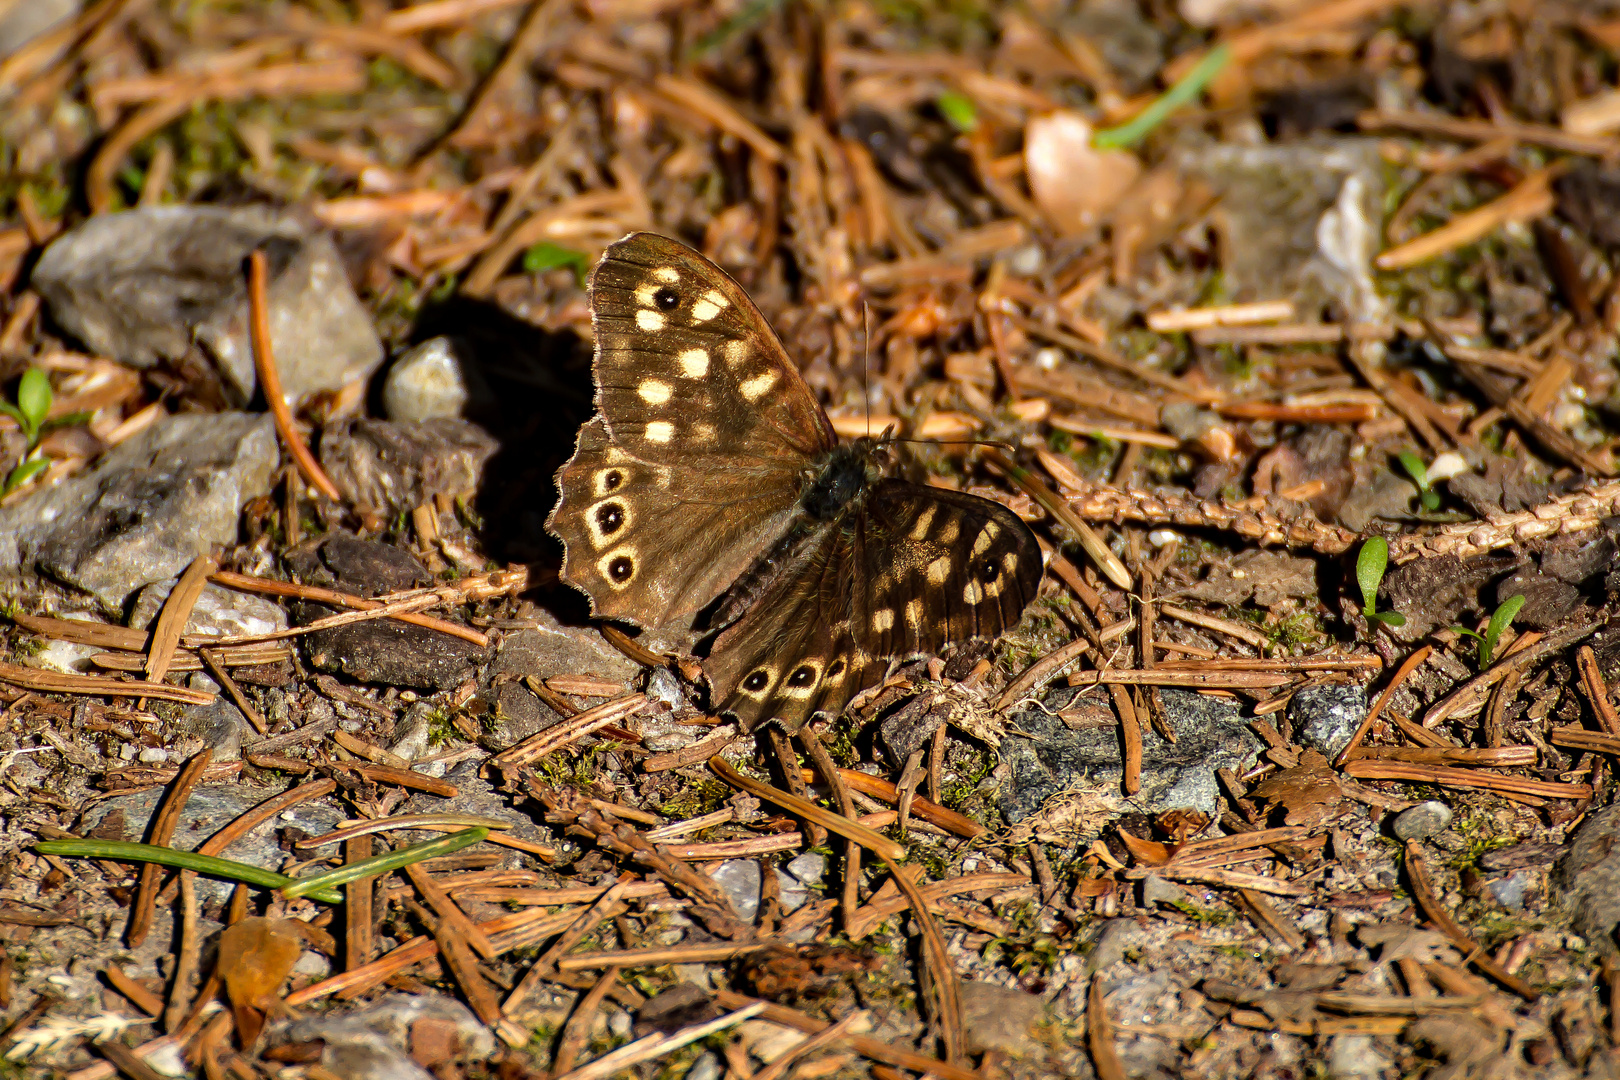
x=710 y=494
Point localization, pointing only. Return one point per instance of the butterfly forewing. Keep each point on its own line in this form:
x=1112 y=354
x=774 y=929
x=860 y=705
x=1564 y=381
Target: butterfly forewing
x=686 y=366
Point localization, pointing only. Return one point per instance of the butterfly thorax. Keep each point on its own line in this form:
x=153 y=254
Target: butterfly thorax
x=840 y=479
x=833 y=488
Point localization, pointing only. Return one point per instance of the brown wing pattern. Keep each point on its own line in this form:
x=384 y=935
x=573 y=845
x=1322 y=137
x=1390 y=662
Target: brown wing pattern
x=915 y=571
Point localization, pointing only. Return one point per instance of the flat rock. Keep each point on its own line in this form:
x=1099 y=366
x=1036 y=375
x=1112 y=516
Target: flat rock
x=1053 y=758
x=211 y=808
x=395 y=466
x=142 y=285
x=1001 y=1018
x=1324 y=717
x=146 y=510
x=397 y=1038
x=1274 y=198
x=1588 y=878
x=218 y=611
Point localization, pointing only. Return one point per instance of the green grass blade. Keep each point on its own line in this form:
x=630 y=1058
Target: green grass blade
x=1191 y=85
x=229 y=869
x=384 y=863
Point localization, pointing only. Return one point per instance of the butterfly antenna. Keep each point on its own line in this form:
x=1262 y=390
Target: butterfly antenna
x=866 y=364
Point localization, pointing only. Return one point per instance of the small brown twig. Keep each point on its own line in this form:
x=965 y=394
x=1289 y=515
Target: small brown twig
x=264 y=363
x=1417 y=874
x=577 y=1032
x=1100 y=1035
x=342 y=599
x=159 y=834
x=359 y=931
x=1409 y=665
x=1597 y=690
x=171 y=621
x=216 y=667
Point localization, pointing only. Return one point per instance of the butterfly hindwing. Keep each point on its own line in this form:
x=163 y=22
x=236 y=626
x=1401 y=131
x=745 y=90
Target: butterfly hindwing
x=909 y=572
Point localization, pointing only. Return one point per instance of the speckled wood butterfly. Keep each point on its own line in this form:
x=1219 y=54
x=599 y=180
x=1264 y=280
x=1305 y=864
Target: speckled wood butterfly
x=710 y=494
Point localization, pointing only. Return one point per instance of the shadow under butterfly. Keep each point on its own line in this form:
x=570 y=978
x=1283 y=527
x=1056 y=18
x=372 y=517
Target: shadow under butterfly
x=709 y=495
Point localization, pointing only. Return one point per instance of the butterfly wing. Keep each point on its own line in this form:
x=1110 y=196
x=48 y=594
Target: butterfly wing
x=909 y=571
x=692 y=468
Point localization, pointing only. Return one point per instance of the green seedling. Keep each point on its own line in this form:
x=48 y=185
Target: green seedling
x=32 y=409
x=1371 y=563
x=1499 y=621
x=1419 y=473
x=1186 y=90
x=548 y=256
x=958 y=111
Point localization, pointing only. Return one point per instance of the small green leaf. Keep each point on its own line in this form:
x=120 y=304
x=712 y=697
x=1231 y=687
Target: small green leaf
x=24 y=473
x=72 y=419
x=1371 y=563
x=1419 y=473
x=15 y=413
x=1389 y=618
x=548 y=256
x=959 y=111
x=1468 y=632
x=34 y=398
x=1500 y=618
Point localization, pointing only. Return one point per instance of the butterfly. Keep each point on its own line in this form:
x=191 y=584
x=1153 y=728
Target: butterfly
x=710 y=495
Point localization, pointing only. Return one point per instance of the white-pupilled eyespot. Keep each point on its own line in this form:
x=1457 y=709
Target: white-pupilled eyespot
x=618 y=567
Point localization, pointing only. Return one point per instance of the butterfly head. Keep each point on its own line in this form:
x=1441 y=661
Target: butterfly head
x=841 y=477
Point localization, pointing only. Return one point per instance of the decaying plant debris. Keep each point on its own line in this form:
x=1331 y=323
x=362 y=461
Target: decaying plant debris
x=1307 y=308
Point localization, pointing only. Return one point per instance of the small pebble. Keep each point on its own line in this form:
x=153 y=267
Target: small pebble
x=1422 y=821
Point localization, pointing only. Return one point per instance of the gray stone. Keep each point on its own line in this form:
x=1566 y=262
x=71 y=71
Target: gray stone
x=220 y=725
x=1325 y=717
x=1052 y=758
x=412 y=731
x=1588 y=879
x=393 y=653
x=1511 y=891
x=210 y=809
x=219 y=611
x=146 y=510
x=23 y=22
x=706 y=1067
x=434 y=380
x=1421 y=821
x=810 y=867
x=143 y=285
x=740 y=879
x=1274 y=199
x=395 y=467
x=1000 y=1018
x=374 y=1043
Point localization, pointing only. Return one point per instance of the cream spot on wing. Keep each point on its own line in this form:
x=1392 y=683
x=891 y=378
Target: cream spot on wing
x=660 y=431
x=986 y=537
x=654 y=392
x=645 y=294
x=914 y=614
x=694 y=363
x=649 y=320
x=757 y=387
x=972 y=594
x=924 y=522
x=613 y=455
x=738 y=353
x=952 y=529
x=663 y=477
x=709 y=305
x=702 y=432
x=939 y=570
x=1010 y=561
x=668 y=275
x=992 y=589
x=883 y=620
